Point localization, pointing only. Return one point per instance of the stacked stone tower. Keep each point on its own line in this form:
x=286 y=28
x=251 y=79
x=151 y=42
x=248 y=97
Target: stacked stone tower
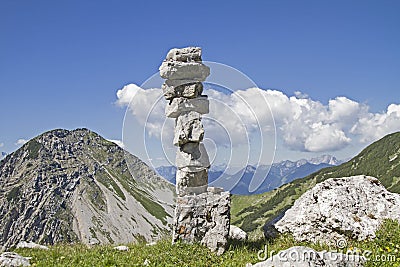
x=185 y=73
x=202 y=213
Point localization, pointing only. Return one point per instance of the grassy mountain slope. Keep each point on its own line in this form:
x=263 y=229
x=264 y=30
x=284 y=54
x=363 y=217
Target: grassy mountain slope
x=380 y=159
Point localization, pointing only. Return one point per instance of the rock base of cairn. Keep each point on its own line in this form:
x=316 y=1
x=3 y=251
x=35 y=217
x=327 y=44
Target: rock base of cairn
x=203 y=218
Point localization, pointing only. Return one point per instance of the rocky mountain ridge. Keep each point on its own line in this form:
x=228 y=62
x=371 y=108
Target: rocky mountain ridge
x=279 y=173
x=70 y=186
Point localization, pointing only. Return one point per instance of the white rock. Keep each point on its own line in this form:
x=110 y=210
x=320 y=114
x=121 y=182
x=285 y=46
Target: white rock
x=12 y=259
x=236 y=233
x=192 y=157
x=24 y=244
x=188 y=128
x=183 y=105
x=305 y=257
x=191 y=182
x=181 y=88
x=184 y=54
x=121 y=248
x=93 y=241
x=176 y=70
x=341 y=207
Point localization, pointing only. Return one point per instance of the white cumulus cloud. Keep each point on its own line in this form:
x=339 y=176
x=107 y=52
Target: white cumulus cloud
x=21 y=142
x=1 y=144
x=302 y=124
x=372 y=126
x=147 y=106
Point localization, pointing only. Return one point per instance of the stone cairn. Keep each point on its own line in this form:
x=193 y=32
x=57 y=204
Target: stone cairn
x=202 y=213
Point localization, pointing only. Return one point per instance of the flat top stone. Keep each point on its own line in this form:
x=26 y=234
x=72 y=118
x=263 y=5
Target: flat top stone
x=184 y=54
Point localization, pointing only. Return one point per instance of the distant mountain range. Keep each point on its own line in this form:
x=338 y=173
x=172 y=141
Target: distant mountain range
x=75 y=186
x=380 y=159
x=279 y=173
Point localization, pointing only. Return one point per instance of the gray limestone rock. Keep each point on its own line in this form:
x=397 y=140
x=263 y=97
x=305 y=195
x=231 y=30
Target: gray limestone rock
x=339 y=208
x=235 y=233
x=191 y=182
x=306 y=257
x=203 y=218
x=12 y=259
x=121 y=248
x=188 y=128
x=176 y=70
x=183 y=105
x=184 y=54
x=24 y=244
x=181 y=88
x=192 y=157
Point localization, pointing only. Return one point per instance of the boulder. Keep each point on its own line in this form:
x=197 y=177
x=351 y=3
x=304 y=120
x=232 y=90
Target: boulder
x=188 y=128
x=185 y=54
x=192 y=157
x=183 y=105
x=235 y=233
x=121 y=248
x=203 y=218
x=176 y=70
x=191 y=182
x=24 y=244
x=339 y=208
x=12 y=259
x=300 y=256
x=177 y=88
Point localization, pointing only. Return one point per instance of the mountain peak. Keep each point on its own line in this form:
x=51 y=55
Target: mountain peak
x=323 y=159
x=327 y=159
x=74 y=185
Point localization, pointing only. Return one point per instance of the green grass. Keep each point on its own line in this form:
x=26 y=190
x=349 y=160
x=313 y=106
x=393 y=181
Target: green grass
x=386 y=245
x=106 y=180
x=14 y=194
x=161 y=254
x=33 y=147
x=129 y=184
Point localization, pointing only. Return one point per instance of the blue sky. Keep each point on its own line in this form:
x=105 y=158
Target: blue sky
x=62 y=62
